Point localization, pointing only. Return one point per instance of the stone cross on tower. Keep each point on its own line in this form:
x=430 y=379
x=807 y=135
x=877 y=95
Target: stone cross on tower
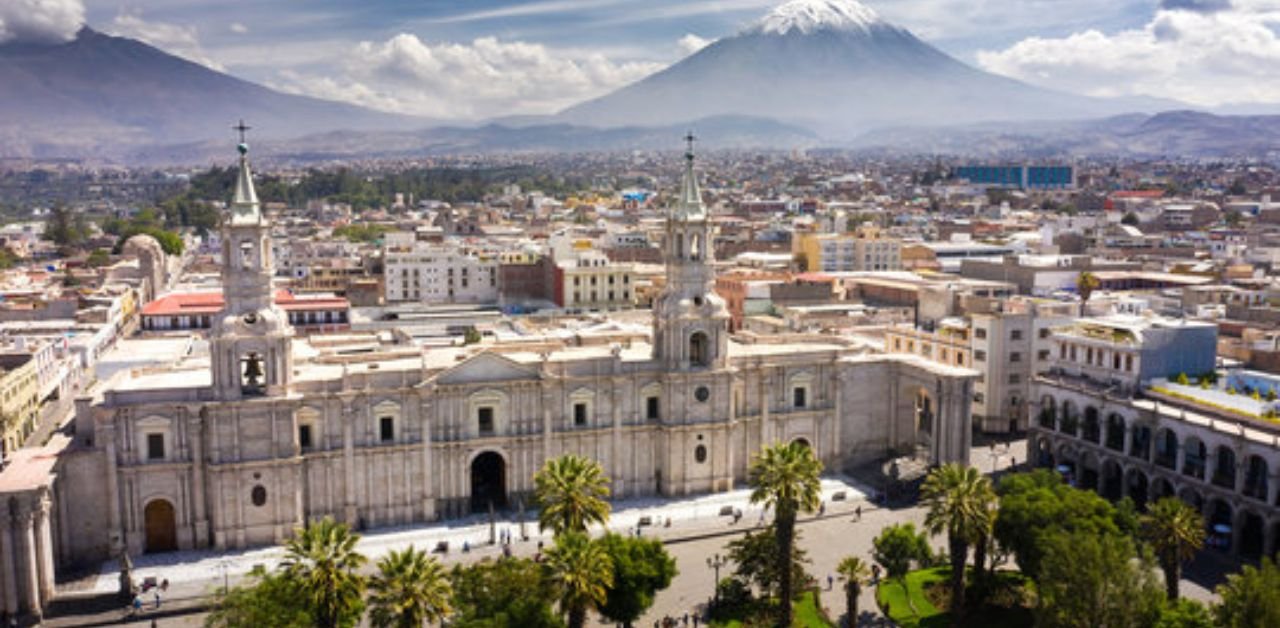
x=242 y=127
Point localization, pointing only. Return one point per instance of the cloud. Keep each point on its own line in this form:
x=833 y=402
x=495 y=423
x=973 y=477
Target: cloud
x=530 y=9
x=40 y=21
x=1207 y=58
x=1197 y=6
x=486 y=77
x=238 y=28
x=691 y=43
x=182 y=41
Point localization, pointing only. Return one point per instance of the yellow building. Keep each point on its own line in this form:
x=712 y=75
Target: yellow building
x=19 y=399
x=865 y=249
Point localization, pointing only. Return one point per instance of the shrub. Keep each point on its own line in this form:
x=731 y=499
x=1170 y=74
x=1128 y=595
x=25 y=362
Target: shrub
x=1182 y=379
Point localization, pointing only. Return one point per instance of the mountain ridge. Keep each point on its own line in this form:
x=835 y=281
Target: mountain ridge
x=98 y=93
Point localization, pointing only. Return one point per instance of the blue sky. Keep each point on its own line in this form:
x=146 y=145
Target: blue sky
x=480 y=58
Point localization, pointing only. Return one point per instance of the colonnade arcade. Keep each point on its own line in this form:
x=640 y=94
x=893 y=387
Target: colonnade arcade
x=1121 y=451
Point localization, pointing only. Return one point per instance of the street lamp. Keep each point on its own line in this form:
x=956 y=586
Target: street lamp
x=716 y=562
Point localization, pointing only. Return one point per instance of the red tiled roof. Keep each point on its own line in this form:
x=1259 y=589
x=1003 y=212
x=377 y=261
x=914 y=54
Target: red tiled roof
x=212 y=302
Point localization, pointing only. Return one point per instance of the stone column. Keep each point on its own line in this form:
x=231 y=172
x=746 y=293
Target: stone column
x=429 y=478
x=8 y=563
x=44 y=544
x=837 y=380
x=348 y=464
x=109 y=442
x=195 y=434
x=615 y=438
x=27 y=562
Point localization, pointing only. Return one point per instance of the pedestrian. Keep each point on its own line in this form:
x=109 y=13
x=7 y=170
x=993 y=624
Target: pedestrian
x=1013 y=462
x=875 y=574
x=695 y=621
x=164 y=585
x=686 y=619
x=822 y=508
x=831 y=581
x=137 y=604
x=157 y=599
x=858 y=512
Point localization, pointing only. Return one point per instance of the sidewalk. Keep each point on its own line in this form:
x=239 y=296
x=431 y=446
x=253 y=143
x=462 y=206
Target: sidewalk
x=195 y=575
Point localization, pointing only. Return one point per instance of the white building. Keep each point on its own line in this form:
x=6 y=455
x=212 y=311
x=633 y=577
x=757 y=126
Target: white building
x=439 y=273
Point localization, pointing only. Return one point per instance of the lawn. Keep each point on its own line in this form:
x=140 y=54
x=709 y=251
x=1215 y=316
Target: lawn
x=921 y=612
x=806 y=614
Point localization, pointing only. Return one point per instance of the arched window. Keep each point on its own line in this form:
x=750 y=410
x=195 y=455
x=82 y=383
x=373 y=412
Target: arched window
x=695 y=247
x=699 y=351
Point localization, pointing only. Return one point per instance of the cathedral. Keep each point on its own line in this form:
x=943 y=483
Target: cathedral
x=269 y=430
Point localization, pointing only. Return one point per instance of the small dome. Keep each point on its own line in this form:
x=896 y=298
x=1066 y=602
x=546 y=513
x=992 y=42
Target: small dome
x=243 y=147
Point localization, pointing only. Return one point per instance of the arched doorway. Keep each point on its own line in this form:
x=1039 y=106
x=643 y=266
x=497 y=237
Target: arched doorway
x=801 y=441
x=161 y=526
x=488 y=482
x=1112 y=480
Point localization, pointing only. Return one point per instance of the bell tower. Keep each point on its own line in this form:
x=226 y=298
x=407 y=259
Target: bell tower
x=690 y=321
x=251 y=339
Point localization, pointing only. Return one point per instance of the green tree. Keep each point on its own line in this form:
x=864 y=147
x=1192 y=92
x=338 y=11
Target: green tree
x=322 y=561
x=272 y=599
x=1183 y=613
x=641 y=568
x=65 y=227
x=508 y=593
x=471 y=336
x=570 y=492
x=1176 y=532
x=959 y=500
x=410 y=589
x=785 y=477
x=856 y=573
x=1086 y=283
x=755 y=556
x=1088 y=580
x=98 y=258
x=1034 y=505
x=1130 y=219
x=1251 y=598
x=582 y=572
x=897 y=546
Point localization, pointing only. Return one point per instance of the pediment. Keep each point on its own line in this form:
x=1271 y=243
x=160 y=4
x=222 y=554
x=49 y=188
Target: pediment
x=486 y=367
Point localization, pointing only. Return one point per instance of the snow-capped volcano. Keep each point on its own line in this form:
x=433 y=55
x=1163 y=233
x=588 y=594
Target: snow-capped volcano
x=835 y=67
x=807 y=16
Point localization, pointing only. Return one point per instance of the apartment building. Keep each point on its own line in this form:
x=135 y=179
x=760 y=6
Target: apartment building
x=865 y=249
x=438 y=273
x=587 y=280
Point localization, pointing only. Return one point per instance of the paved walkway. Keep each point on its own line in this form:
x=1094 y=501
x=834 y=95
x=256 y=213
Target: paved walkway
x=697 y=532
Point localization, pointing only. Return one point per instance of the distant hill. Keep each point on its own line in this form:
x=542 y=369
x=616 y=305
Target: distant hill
x=838 y=68
x=101 y=95
x=723 y=132
x=1187 y=134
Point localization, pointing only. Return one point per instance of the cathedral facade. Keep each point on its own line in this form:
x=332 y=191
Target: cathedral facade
x=272 y=430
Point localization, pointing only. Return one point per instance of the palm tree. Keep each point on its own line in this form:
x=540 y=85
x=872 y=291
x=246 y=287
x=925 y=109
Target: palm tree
x=1086 y=283
x=957 y=498
x=855 y=572
x=571 y=492
x=411 y=588
x=582 y=572
x=1176 y=532
x=784 y=477
x=321 y=559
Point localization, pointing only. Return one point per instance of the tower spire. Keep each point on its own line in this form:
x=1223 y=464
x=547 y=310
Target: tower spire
x=689 y=205
x=244 y=205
